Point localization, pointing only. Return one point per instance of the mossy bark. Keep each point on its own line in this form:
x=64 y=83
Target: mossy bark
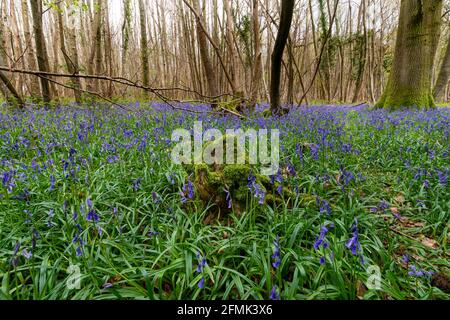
x=409 y=83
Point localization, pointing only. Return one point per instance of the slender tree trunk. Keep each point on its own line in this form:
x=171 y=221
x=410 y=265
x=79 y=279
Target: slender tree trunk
x=72 y=64
x=41 y=50
x=31 y=55
x=231 y=46
x=144 y=51
x=96 y=23
x=287 y=11
x=257 y=66
x=443 y=76
x=126 y=28
x=418 y=32
x=8 y=86
x=211 y=77
x=361 y=64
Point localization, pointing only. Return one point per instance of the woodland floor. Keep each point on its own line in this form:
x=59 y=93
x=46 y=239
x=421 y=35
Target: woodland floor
x=94 y=190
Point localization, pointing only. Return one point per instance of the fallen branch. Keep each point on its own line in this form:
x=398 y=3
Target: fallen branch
x=120 y=80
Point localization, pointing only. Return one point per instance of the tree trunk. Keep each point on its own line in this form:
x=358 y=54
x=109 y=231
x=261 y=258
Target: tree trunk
x=231 y=46
x=204 y=53
x=7 y=86
x=41 y=50
x=72 y=64
x=96 y=23
x=126 y=27
x=287 y=11
x=144 y=51
x=444 y=74
x=409 y=83
x=31 y=55
x=257 y=66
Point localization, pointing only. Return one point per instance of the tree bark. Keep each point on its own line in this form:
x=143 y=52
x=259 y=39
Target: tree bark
x=409 y=83
x=72 y=66
x=287 y=11
x=144 y=51
x=444 y=74
x=41 y=50
x=257 y=66
x=126 y=27
x=204 y=53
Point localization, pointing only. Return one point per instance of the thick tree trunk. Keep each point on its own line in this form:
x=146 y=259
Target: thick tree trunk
x=444 y=74
x=409 y=83
x=287 y=11
x=41 y=50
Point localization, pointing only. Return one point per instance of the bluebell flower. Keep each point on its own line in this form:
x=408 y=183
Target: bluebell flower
x=276 y=256
x=414 y=272
x=201 y=283
x=155 y=197
x=353 y=243
x=280 y=190
x=52 y=182
x=443 y=177
x=153 y=234
x=321 y=238
x=274 y=295
x=315 y=151
x=201 y=265
x=92 y=216
x=322 y=260
x=137 y=184
x=16 y=248
x=228 y=198
x=27 y=254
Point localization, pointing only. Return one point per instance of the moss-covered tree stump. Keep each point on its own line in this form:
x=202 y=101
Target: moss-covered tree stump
x=230 y=187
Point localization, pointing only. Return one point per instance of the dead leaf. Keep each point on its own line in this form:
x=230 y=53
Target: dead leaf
x=395 y=210
x=408 y=223
x=400 y=198
x=430 y=243
x=361 y=290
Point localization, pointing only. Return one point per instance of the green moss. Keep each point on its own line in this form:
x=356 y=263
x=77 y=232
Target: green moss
x=404 y=98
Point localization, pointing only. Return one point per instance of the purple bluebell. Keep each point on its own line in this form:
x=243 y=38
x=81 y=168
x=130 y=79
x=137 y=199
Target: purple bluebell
x=27 y=254
x=353 y=243
x=276 y=256
x=320 y=240
x=274 y=295
x=228 y=198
